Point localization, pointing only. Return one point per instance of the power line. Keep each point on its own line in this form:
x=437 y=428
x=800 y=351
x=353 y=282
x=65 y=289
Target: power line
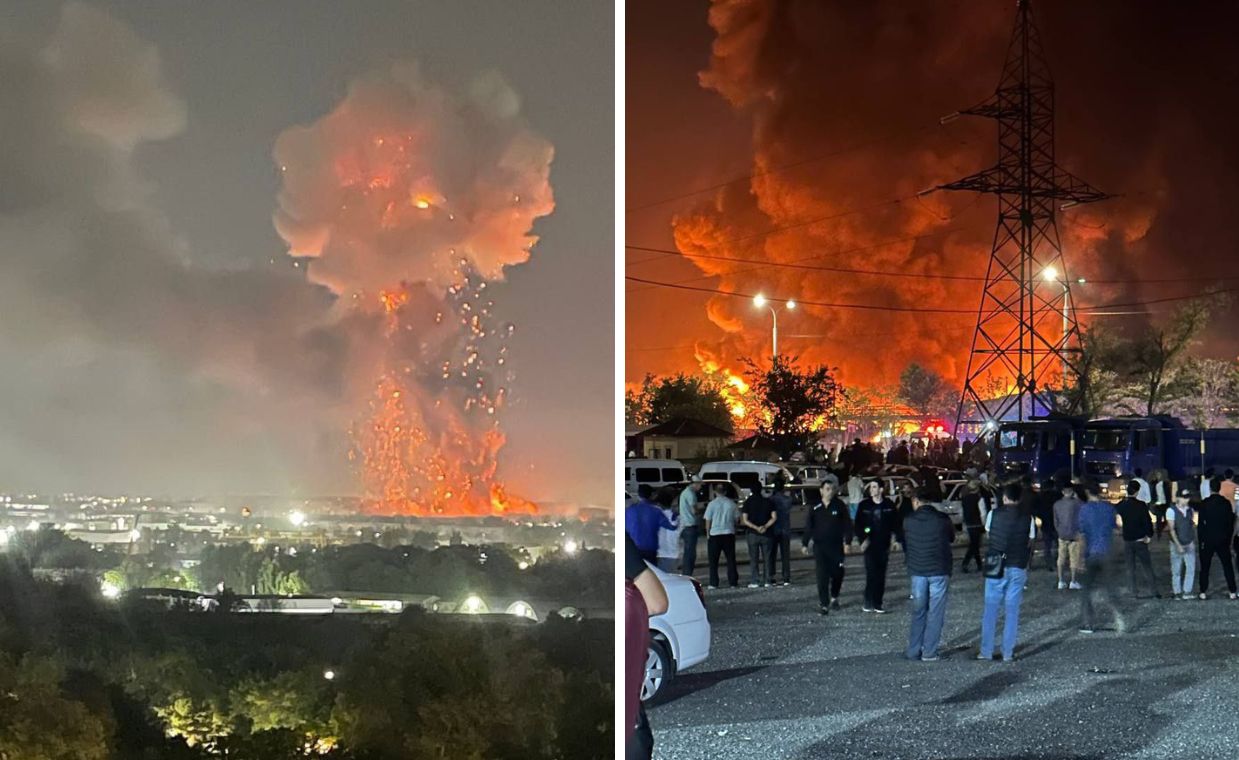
x=919 y=310
x=663 y=252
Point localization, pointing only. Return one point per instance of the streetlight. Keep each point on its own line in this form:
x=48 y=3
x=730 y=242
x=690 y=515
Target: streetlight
x=1051 y=275
x=760 y=302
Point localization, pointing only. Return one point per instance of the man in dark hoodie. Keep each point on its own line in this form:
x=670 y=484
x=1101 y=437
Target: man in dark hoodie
x=928 y=534
x=1215 y=528
x=1137 y=533
x=829 y=529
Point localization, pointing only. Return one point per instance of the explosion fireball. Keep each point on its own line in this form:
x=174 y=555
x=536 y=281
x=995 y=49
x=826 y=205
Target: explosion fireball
x=407 y=201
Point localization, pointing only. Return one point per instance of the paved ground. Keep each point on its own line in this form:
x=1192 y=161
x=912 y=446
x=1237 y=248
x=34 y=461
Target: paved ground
x=782 y=682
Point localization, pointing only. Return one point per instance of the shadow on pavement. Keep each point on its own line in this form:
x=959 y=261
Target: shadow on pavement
x=683 y=685
x=989 y=687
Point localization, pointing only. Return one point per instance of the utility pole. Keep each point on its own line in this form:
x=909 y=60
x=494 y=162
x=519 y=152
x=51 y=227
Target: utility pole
x=1014 y=337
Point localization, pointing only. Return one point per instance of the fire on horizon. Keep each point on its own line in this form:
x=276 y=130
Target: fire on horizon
x=825 y=124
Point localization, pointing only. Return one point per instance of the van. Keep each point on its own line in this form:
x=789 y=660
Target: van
x=747 y=476
x=655 y=473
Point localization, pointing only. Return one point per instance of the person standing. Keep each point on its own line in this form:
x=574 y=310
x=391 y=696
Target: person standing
x=781 y=536
x=1097 y=525
x=1214 y=532
x=1070 y=542
x=1182 y=528
x=928 y=535
x=903 y=505
x=689 y=528
x=643 y=520
x=644 y=597
x=974 y=511
x=1010 y=535
x=877 y=523
x=856 y=494
x=1163 y=492
x=668 y=540
x=829 y=529
x=1137 y=533
x=720 y=517
x=1047 y=496
x=758 y=517
x=1144 y=492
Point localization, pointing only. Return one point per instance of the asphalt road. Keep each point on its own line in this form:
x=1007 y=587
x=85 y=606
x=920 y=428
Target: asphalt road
x=783 y=682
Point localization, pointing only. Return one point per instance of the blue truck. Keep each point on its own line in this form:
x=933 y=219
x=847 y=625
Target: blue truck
x=1118 y=446
x=1040 y=448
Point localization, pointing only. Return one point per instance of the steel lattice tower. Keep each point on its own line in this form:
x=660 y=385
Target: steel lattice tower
x=1025 y=330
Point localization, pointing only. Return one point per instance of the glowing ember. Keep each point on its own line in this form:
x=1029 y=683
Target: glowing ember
x=408 y=201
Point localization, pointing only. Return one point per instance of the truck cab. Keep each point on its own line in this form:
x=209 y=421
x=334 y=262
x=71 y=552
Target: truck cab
x=1117 y=447
x=1040 y=448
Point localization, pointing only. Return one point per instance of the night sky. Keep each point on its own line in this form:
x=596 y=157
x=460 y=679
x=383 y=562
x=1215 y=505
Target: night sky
x=848 y=95
x=152 y=339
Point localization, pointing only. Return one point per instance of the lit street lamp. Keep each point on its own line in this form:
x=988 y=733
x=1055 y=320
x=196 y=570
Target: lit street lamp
x=760 y=302
x=1050 y=274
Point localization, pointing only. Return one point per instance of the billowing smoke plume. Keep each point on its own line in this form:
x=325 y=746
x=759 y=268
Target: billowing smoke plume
x=133 y=364
x=850 y=95
x=406 y=202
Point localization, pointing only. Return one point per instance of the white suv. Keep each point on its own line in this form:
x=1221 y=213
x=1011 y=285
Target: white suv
x=680 y=637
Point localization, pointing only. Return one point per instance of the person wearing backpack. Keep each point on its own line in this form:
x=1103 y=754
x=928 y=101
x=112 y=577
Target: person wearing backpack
x=1011 y=532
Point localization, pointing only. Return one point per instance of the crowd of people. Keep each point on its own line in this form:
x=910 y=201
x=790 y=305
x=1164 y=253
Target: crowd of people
x=1066 y=524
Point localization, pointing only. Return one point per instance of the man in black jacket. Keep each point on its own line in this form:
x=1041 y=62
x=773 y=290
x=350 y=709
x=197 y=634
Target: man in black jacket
x=928 y=534
x=829 y=529
x=974 y=521
x=1010 y=534
x=1137 y=533
x=877 y=523
x=1215 y=528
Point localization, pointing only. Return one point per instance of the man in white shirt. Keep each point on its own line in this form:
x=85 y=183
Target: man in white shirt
x=1145 y=493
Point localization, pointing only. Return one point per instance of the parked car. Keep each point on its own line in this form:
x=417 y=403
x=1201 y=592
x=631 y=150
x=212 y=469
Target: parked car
x=652 y=472
x=810 y=474
x=680 y=637
x=747 y=476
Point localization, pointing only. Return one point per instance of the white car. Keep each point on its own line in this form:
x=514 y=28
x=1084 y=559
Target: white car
x=680 y=637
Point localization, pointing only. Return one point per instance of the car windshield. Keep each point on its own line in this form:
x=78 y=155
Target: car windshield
x=1106 y=439
x=1018 y=440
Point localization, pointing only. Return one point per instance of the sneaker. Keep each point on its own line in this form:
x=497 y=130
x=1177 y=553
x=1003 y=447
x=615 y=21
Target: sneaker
x=834 y=605
x=879 y=610
x=765 y=585
x=1185 y=597
x=1203 y=595
x=983 y=658
x=754 y=585
x=1086 y=630
x=866 y=609
x=1234 y=596
x=1062 y=585
x=1009 y=659
x=712 y=588
x=1075 y=586
x=934 y=658
x=823 y=611
x=787 y=583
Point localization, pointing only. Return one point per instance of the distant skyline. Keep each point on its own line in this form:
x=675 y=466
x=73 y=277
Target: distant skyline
x=139 y=143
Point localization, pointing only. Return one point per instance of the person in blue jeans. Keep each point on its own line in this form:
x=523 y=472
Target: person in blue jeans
x=1011 y=531
x=928 y=534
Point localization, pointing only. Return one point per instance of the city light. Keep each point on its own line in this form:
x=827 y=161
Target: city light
x=329 y=674
x=135 y=535
x=473 y=605
x=791 y=305
x=522 y=565
x=297 y=518
x=759 y=300
x=109 y=590
x=1050 y=274
x=32 y=526
x=571 y=546
x=522 y=609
